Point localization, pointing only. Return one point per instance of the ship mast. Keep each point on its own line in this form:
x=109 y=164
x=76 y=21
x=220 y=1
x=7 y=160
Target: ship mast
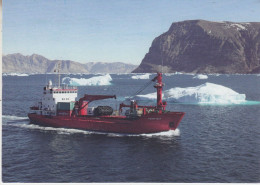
x=160 y=106
x=159 y=86
x=58 y=71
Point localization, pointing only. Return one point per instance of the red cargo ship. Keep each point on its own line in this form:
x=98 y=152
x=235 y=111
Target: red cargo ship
x=59 y=108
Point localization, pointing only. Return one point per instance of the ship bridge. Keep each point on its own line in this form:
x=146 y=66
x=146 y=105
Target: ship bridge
x=53 y=95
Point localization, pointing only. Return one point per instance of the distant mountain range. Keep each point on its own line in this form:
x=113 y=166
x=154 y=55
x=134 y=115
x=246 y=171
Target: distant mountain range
x=193 y=46
x=199 y=46
x=18 y=63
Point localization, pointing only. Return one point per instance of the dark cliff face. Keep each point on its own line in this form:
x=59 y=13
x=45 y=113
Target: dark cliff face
x=18 y=63
x=200 y=46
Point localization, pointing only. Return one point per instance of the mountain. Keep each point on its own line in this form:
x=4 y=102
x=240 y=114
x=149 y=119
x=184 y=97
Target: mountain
x=115 y=67
x=18 y=63
x=199 y=46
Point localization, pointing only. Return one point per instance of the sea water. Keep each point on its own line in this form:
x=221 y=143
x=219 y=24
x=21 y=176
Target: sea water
x=213 y=143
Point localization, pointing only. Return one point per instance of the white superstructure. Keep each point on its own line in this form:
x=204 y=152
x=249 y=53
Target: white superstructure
x=53 y=95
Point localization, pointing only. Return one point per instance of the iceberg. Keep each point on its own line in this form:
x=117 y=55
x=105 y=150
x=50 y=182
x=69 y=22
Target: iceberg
x=23 y=74
x=208 y=93
x=94 y=81
x=201 y=77
x=176 y=73
x=16 y=74
x=145 y=76
x=169 y=74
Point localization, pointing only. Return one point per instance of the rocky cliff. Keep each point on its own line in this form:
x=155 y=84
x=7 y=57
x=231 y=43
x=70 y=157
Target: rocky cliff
x=199 y=46
x=18 y=63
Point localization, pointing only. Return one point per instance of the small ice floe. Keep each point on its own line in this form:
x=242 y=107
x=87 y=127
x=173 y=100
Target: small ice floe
x=201 y=77
x=16 y=74
x=144 y=76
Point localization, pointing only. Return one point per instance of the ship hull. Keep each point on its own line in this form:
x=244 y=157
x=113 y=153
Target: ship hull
x=150 y=123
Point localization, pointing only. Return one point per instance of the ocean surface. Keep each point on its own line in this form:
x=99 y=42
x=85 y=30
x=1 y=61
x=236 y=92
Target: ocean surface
x=213 y=143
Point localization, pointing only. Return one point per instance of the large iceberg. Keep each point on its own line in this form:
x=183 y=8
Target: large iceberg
x=208 y=93
x=94 y=81
x=145 y=76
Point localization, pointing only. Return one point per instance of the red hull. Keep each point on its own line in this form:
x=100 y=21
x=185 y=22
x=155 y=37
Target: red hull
x=150 y=123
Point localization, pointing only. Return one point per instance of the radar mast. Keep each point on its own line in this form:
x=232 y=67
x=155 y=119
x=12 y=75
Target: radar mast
x=57 y=70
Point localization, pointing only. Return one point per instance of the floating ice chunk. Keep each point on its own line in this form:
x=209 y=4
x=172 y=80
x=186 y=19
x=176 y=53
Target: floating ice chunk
x=200 y=76
x=215 y=74
x=206 y=93
x=94 y=81
x=170 y=74
x=178 y=73
x=145 y=76
x=16 y=74
x=23 y=74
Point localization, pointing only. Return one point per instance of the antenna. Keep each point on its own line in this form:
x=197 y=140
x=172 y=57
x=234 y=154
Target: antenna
x=162 y=63
x=58 y=71
x=45 y=78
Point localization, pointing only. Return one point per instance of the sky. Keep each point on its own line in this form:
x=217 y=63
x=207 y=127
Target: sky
x=106 y=30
